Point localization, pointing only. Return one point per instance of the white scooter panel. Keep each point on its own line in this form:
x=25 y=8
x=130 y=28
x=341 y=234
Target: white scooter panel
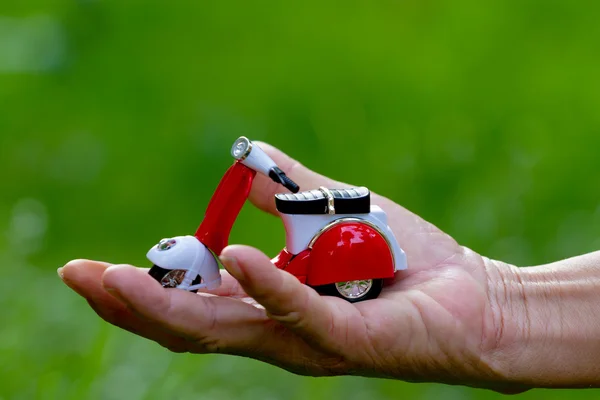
x=188 y=254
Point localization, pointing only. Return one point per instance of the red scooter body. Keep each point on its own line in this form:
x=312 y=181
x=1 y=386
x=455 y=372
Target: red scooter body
x=353 y=249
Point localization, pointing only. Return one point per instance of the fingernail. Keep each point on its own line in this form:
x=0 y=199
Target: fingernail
x=233 y=267
x=60 y=273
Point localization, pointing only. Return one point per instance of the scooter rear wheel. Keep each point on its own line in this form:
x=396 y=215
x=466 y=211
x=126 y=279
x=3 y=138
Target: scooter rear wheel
x=171 y=278
x=353 y=291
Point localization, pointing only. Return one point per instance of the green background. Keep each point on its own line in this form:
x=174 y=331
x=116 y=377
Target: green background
x=116 y=119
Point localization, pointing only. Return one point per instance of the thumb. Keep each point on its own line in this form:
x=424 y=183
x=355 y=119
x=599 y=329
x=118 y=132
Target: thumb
x=298 y=307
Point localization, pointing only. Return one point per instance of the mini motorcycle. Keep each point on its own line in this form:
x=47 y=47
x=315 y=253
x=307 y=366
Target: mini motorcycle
x=336 y=241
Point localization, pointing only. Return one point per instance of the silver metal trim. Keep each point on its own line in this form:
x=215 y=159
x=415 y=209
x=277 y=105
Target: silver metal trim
x=248 y=150
x=330 y=200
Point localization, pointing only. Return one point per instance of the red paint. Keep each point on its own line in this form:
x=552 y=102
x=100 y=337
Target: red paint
x=349 y=251
x=299 y=264
x=224 y=207
x=282 y=259
x=295 y=265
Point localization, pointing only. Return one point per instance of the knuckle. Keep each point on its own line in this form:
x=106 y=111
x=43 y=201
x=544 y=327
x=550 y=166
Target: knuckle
x=293 y=319
x=294 y=166
x=291 y=309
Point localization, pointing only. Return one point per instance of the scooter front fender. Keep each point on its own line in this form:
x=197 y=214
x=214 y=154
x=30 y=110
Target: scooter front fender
x=189 y=254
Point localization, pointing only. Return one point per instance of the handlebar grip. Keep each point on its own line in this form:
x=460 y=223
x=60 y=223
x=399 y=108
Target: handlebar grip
x=277 y=175
x=290 y=184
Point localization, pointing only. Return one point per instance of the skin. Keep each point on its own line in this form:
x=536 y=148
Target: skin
x=453 y=317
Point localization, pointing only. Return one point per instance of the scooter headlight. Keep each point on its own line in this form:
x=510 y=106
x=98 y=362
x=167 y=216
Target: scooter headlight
x=241 y=148
x=166 y=244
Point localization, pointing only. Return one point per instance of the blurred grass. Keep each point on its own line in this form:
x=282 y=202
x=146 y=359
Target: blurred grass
x=116 y=120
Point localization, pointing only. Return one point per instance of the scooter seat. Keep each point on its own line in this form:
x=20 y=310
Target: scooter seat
x=345 y=201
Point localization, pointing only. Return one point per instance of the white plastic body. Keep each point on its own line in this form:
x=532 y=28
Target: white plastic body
x=301 y=229
x=258 y=160
x=191 y=255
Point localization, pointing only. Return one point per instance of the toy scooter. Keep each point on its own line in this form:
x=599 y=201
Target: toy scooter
x=336 y=241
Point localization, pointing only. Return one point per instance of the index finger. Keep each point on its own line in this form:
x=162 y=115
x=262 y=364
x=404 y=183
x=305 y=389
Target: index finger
x=264 y=189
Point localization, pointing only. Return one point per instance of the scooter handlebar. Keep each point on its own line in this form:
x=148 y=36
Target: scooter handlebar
x=255 y=158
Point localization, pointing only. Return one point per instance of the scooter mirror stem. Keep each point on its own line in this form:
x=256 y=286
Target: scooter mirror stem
x=255 y=158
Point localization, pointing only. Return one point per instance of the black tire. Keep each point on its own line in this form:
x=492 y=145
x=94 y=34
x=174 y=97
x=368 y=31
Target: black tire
x=158 y=274
x=372 y=293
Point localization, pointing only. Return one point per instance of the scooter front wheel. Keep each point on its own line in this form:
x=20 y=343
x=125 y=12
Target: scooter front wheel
x=353 y=291
x=170 y=278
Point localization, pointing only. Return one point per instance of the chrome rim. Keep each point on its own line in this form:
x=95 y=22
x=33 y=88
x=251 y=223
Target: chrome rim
x=354 y=289
x=173 y=278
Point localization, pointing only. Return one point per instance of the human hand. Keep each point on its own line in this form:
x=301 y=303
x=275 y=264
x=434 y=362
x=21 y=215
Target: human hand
x=444 y=319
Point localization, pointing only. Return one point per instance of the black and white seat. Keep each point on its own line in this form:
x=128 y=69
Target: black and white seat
x=319 y=201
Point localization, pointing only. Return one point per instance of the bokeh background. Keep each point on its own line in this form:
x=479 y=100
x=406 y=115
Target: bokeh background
x=116 y=119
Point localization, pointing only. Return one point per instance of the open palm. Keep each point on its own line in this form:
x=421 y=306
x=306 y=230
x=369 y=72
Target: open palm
x=439 y=320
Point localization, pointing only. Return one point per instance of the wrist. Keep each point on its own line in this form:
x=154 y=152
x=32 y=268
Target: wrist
x=549 y=323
